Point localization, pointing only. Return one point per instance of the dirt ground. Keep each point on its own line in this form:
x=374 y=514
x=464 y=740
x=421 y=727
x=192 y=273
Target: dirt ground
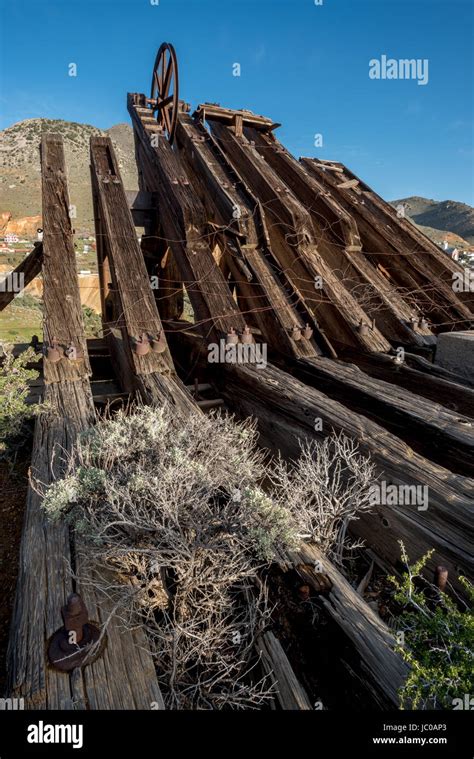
x=13 y=487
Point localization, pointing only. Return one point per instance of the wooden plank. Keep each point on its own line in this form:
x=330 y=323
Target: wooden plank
x=385 y=669
x=340 y=244
x=441 y=435
x=44 y=581
x=293 y=242
x=184 y=221
x=286 y=411
x=230 y=204
x=22 y=275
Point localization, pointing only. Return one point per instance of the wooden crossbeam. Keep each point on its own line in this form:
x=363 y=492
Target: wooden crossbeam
x=236 y=118
x=22 y=275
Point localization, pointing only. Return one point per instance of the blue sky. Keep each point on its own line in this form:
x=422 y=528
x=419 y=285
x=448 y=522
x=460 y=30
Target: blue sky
x=302 y=64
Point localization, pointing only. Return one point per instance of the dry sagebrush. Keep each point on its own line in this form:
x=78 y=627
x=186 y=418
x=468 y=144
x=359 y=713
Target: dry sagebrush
x=328 y=487
x=174 y=508
x=172 y=514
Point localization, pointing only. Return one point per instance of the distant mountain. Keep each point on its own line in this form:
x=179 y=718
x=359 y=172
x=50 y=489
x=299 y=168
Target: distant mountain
x=446 y=215
x=20 y=177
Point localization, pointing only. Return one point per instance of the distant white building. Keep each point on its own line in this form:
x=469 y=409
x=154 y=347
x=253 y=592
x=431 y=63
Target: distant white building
x=451 y=251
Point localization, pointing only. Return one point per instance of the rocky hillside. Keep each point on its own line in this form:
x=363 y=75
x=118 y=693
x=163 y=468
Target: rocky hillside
x=20 y=178
x=446 y=215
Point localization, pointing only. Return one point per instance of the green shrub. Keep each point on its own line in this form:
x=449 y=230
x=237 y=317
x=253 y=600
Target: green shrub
x=438 y=641
x=92 y=322
x=14 y=411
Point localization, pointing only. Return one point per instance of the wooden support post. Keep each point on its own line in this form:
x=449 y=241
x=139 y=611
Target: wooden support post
x=125 y=676
x=134 y=313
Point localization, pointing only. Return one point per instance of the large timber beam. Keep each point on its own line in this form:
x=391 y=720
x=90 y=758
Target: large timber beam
x=339 y=243
x=184 y=222
x=443 y=436
x=294 y=243
x=124 y=676
x=384 y=669
x=288 y=411
x=422 y=378
x=413 y=262
x=133 y=312
x=265 y=296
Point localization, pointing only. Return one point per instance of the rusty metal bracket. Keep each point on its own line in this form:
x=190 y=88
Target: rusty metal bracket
x=69 y=646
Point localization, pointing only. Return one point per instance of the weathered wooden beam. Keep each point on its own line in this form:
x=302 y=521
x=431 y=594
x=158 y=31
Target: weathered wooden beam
x=240 y=230
x=288 y=411
x=21 y=276
x=340 y=244
x=124 y=677
x=134 y=312
x=385 y=669
x=63 y=323
x=294 y=243
x=214 y=111
x=412 y=260
x=169 y=296
x=440 y=388
x=443 y=436
x=184 y=221
x=290 y=693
